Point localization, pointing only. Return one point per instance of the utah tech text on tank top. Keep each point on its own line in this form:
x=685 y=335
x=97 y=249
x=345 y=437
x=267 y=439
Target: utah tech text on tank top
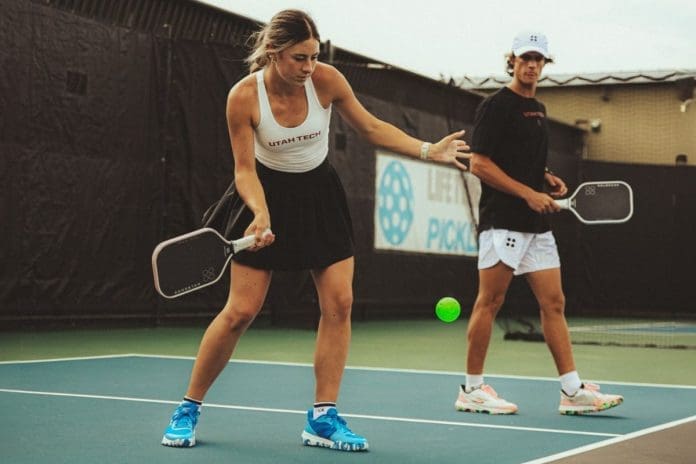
x=292 y=149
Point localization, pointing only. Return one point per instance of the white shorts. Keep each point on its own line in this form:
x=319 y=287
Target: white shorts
x=524 y=252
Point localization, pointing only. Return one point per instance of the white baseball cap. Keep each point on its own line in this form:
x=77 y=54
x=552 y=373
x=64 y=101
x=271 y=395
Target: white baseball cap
x=530 y=42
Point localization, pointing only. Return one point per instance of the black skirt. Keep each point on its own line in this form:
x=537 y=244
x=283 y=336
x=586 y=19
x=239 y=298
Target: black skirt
x=309 y=217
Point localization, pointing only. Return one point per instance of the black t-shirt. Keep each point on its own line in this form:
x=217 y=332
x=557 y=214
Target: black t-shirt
x=512 y=131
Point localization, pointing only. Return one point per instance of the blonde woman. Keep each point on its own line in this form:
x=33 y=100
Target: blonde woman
x=278 y=120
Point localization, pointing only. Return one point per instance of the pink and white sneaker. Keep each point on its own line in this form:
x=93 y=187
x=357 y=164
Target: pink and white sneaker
x=483 y=399
x=588 y=400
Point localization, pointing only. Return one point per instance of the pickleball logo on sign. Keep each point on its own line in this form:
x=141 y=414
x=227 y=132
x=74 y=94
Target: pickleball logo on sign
x=395 y=200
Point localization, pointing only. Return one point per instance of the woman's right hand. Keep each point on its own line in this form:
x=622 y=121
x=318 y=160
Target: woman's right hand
x=261 y=228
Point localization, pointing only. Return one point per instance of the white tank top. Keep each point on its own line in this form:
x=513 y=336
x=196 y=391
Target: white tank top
x=292 y=149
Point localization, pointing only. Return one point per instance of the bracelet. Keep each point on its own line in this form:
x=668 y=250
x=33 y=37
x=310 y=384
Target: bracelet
x=425 y=149
x=548 y=171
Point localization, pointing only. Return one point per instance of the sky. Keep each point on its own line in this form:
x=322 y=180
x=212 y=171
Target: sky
x=447 y=38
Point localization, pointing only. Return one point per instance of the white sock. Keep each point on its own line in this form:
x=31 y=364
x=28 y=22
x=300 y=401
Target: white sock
x=191 y=400
x=570 y=383
x=321 y=408
x=473 y=382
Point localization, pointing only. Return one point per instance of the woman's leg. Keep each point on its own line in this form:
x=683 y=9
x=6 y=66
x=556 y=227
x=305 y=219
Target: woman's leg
x=335 y=289
x=248 y=290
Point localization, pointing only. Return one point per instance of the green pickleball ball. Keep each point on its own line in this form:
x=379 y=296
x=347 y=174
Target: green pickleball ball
x=448 y=309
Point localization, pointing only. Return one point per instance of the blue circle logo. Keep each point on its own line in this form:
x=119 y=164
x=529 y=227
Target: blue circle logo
x=395 y=203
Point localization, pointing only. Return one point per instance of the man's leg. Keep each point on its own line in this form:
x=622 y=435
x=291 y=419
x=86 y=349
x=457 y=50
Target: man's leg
x=576 y=397
x=546 y=286
x=493 y=284
x=475 y=396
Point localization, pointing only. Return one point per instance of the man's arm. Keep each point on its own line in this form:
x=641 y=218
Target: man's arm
x=555 y=183
x=490 y=173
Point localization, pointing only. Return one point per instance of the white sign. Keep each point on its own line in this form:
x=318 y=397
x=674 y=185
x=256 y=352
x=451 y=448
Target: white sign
x=423 y=207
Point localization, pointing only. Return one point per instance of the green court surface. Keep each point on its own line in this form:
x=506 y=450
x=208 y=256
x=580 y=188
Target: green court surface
x=411 y=344
x=107 y=405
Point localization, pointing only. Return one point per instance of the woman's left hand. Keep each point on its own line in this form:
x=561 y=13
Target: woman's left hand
x=450 y=150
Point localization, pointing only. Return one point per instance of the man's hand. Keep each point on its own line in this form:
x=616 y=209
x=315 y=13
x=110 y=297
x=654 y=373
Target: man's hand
x=558 y=187
x=542 y=203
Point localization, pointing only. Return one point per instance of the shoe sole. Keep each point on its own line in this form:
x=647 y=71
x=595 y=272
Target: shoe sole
x=468 y=407
x=309 y=439
x=580 y=410
x=179 y=442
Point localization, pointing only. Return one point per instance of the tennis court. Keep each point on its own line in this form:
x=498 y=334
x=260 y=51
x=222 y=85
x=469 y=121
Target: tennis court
x=112 y=408
x=117 y=140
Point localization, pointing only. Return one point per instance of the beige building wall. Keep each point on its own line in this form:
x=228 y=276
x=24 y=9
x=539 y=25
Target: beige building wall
x=639 y=123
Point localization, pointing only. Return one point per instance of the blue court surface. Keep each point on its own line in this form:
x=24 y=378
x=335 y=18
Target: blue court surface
x=114 y=409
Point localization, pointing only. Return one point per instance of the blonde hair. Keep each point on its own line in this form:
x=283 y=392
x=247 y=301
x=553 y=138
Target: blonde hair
x=286 y=28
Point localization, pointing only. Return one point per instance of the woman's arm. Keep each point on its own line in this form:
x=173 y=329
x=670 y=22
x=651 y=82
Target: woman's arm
x=382 y=133
x=240 y=102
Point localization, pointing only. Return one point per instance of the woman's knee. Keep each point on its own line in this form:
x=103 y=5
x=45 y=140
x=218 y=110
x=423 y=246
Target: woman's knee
x=339 y=306
x=238 y=317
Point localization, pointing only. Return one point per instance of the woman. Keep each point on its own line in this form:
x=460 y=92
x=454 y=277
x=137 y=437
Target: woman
x=278 y=120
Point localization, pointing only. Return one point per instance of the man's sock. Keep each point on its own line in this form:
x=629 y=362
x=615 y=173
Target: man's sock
x=570 y=383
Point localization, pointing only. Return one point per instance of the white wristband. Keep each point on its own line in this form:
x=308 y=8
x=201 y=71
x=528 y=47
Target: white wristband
x=425 y=149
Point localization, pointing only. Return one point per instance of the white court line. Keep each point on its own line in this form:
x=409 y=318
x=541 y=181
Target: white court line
x=410 y=371
x=611 y=441
x=77 y=358
x=422 y=371
x=357 y=368
x=292 y=411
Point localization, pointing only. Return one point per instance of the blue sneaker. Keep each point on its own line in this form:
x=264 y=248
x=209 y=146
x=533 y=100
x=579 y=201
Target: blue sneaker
x=181 y=431
x=331 y=431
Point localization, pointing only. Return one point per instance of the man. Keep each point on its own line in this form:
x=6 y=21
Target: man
x=510 y=147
